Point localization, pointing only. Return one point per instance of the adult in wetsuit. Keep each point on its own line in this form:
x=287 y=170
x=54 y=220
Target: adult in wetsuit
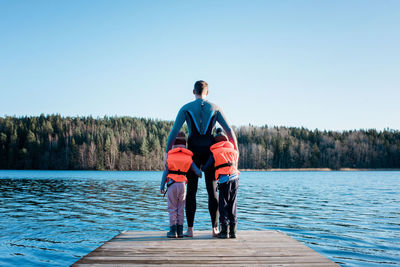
x=200 y=116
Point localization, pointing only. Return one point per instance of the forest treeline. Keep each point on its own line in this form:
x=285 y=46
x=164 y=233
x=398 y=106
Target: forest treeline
x=126 y=143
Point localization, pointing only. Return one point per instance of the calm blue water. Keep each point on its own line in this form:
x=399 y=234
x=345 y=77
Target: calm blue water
x=55 y=217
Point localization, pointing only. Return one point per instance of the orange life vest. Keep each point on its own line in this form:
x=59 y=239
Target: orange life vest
x=226 y=157
x=179 y=161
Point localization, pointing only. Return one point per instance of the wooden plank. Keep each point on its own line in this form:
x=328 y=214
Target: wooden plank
x=266 y=248
x=212 y=260
x=241 y=252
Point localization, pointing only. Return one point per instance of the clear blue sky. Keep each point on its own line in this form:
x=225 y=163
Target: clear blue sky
x=318 y=64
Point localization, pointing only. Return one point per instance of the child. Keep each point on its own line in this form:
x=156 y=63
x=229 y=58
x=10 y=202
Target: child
x=179 y=161
x=225 y=159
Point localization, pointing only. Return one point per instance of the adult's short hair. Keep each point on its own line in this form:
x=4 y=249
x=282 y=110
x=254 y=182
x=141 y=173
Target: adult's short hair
x=200 y=87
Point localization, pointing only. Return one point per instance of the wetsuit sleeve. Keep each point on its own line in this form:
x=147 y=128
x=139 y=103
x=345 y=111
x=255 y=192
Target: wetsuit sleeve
x=163 y=179
x=209 y=163
x=179 y=121
x=227 y=128
x=195 y=169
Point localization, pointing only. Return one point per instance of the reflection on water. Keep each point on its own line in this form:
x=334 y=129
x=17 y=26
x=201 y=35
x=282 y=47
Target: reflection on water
x=55 y=217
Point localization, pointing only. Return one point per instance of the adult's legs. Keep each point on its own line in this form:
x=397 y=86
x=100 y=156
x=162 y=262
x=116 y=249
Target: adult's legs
x=200 y=146
x=211 y=185
x=193 y=181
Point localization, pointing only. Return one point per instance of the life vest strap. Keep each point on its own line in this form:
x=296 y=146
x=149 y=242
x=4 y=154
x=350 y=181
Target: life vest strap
x=179 y=172
x=168 y=185
x=228 y=164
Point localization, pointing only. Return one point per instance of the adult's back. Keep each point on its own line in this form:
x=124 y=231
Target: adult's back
x=201 y=117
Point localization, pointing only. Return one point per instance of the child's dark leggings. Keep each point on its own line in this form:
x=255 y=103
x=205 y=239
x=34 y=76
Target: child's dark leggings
x=227 y=202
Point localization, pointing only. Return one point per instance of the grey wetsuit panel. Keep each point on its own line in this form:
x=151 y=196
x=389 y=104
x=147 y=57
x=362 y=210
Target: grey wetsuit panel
x=202 y=112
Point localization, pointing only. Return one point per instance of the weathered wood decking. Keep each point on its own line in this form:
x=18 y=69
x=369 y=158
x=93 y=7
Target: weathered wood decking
x=250 y=248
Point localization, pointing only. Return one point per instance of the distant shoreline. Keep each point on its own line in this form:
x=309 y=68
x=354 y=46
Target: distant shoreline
x=317 y=169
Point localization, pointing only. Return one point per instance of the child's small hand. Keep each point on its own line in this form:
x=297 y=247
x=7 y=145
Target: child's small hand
x=201 y=175
x=162 y=191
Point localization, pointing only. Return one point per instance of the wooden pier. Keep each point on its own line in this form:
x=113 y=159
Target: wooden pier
x=250 y=248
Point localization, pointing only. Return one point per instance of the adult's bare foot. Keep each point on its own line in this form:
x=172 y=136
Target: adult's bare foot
x=189 y=232
x=215 y=231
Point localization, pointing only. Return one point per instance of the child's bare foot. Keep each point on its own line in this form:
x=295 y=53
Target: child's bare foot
x=189 y=232
x=215 y=231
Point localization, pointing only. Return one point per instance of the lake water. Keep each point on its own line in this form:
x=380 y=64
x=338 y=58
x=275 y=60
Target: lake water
x=55 y=217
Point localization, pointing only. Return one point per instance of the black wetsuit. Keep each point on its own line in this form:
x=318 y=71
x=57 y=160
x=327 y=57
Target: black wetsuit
x=201 y=117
